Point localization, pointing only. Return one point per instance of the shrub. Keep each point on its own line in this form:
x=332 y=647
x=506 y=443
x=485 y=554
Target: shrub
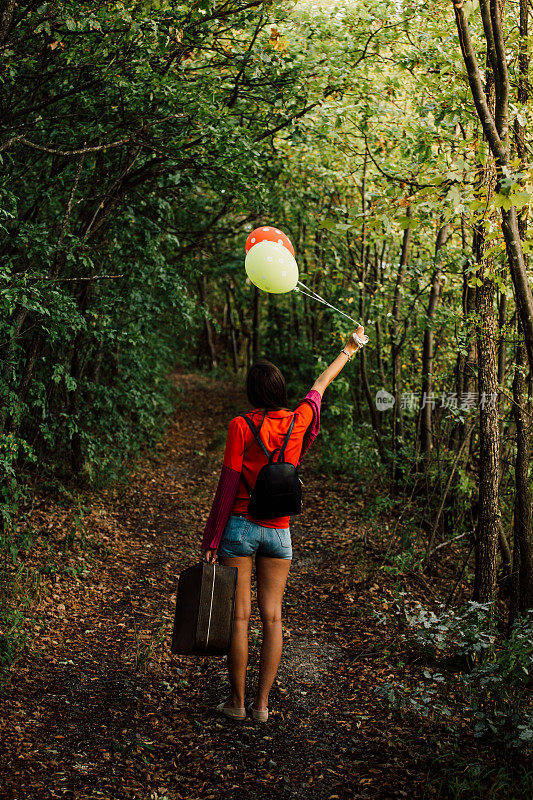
x=487 y=681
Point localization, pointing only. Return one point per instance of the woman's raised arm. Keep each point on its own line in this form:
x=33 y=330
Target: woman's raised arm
x=331 y=372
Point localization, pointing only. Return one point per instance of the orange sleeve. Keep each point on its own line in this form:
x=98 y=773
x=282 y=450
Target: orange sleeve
x=235 y=443
x=228 y=486
x=304 y=414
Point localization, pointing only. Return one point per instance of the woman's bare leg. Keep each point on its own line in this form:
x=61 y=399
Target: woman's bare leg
x=238 y=654
x=271 y=579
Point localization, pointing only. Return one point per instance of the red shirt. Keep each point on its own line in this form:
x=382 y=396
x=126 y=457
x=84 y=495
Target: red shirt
x=243 y=453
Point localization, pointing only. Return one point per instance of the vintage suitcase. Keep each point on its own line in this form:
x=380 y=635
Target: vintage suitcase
x=205 y=603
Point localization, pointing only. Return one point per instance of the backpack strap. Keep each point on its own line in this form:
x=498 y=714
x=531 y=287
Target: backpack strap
x=255 y=430
x=246 y=484
x=259 y=428
x=281 y=456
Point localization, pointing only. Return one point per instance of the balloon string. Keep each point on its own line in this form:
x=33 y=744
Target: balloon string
x=318 y=296
x=325 y=302
x=314 y=296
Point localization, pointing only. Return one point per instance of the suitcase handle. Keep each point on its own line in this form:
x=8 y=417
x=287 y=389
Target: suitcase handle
x=211 y=605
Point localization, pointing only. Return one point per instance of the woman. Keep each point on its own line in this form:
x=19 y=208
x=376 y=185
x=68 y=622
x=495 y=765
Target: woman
x=235 y=536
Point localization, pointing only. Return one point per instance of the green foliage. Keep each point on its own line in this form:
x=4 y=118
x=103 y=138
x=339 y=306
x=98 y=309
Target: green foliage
x=455 y=777
x=486 y=680
x=122 y=137
x=468 y=631
x=18 y=586
x=500 y=690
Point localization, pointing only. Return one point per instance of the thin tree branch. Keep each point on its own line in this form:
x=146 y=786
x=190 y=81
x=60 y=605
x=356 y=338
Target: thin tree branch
x=501 y=76
x=476 y=84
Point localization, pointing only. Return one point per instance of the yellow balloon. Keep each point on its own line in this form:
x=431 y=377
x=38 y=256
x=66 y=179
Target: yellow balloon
x=271 y=267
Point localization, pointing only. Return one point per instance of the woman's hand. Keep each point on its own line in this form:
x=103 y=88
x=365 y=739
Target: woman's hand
x=210 y=555
x=352 y=345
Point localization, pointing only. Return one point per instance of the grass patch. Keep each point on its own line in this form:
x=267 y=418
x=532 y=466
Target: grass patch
x=460 y=778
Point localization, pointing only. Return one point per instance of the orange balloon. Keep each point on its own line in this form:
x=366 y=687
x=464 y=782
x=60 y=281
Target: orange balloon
x=269 y=234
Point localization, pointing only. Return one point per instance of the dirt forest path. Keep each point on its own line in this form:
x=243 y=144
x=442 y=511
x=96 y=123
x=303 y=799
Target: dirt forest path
x=101 y=709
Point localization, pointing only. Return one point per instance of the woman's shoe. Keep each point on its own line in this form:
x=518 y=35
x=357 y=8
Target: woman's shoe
x=232 y=713
x=259 y=716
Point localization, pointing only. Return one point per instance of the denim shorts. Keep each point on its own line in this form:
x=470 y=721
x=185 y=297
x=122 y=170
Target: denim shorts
x=244 y=538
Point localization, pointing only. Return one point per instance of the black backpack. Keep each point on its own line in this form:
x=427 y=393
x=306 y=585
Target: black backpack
x=278 y=489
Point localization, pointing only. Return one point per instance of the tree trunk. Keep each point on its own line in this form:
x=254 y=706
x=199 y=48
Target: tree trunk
x=6 y=17
x=244 y=328
x=465 y=367
x=208 y=328
x=522 y=574
x=488 y=527
x=502 y=355
x=426 y=404
x=522 y=569
x=77 y=367
x=233 y=337
x=379 y=351
x=495 y=122
x=489 y=446
x=488 y=524
x=372 y=408
x=396 y=361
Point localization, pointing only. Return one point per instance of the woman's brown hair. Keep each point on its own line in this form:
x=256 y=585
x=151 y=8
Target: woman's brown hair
x=265 y=386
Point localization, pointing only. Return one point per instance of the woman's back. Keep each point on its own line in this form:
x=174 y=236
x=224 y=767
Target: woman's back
x=246 y=454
